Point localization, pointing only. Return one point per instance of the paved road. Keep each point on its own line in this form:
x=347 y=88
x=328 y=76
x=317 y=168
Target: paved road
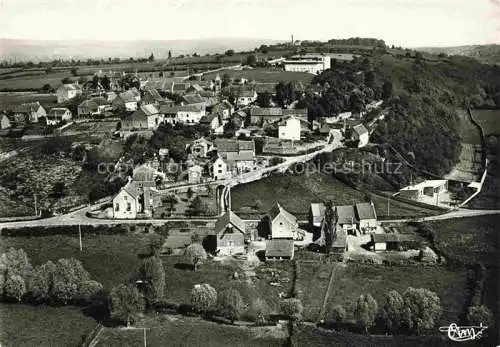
x=460 y=213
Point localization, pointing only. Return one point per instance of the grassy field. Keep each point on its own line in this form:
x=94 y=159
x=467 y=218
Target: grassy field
x=468 y=240
x=297 y=192
x=468 y=131
x=11 y=208
x=355 y=279
x=24 y=325
x=265 y=75
x=181 y=278
x=110 y=259
x=185 y=331
x=489 y=120
x=9 y=99
x=34 y=82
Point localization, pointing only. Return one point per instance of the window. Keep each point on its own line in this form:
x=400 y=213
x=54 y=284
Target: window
x=117 y=207
x=220 y=171
x=129 y=207
x=124 y=197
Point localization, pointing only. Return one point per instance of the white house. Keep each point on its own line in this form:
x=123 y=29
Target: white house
x=366 y=216
x=187 y=114
x=246 y=98
x=146 y=117
x=67 y=92
x=4 y=122
x=127 y=203
x=311 y=63
x=195 y=174
x=211 y=120
x=219 y=169
x=31 y=110
x=291 y=129
x=58 y=114
x=429 y=188
x=282 y=224
x=360 y=133
x=200 y=147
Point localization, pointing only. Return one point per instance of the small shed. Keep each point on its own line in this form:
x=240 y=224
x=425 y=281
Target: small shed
x=395 y=242
x=279 y=249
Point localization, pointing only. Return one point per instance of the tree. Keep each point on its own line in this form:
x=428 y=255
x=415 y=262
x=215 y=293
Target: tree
x=393 y=310
x=74 y=71
x=292 y=308
x=66 y=80
x=106 y=82
x=14 y=287
x=15 y=262
x=230 y=304
x=264 y=99
x=153 y=274
x=46 y=88
x=169 y=54
x=387 y=90
x=48 y=70
x=87 y=289
x=330 y=226
x=58 y=190
x=422 y=308
x=68 y=276
x=197 y=207
x=251 y=60
x=477 y=315
x=151 y=57
x=125 y=303
x=338 y=314
x=259 y=311
x=365 y=311
x=203 y=297
x=196 y=254
x=190 y=193
x=171 y=200
x=229 y=52
x=40 y=282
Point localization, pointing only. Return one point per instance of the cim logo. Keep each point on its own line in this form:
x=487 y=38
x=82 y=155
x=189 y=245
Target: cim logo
x=466 y=333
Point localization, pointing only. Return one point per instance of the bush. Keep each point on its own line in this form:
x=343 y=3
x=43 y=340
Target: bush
x=293 y=309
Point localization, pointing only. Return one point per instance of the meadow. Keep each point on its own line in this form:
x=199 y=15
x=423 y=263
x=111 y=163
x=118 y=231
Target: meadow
x=489 y=120
x=266 y=75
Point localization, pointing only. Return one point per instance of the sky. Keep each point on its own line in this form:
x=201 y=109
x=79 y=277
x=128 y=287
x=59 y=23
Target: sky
x=408 y=23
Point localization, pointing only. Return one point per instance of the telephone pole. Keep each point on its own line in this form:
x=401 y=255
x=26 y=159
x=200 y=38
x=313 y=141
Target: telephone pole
x=80 y=236
x=36 y=211
x=388 y=205
x=145 y=343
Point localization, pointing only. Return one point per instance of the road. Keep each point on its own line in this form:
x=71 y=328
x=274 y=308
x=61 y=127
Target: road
x=460 y=213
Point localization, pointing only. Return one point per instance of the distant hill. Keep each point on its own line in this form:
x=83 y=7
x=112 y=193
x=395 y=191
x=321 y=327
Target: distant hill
x=484 y=53
x=41 y=50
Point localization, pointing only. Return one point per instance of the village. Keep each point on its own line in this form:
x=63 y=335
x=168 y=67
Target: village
x=240 y=202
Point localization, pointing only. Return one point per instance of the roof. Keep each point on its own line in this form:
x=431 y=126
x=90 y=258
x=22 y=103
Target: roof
x=153 y=94
x=247 y=94
x=202 y=140
x=395 y=237
x=341 y=240
x=229 y=218
x=266 y=111
x=68 y=86
x=197 y=87
x=238 y=156
x=226 y=145
x=149 y=110
x=132 y=189
x=166 y=109
x=128 y=96
x=193 y=99
x=195 y=168
x=425 y=184
x=360 y=129
x=180 y=86
x=207 y=119
x=318 y=210
x=295 y=112
x=144 y=173
x=279 y=248
x=346 y=214
x=26 y=107
x=365 y=210
x=277 y=210
x=89 y=104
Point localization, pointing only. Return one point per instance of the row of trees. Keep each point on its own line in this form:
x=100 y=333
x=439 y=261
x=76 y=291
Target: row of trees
x=61 y=282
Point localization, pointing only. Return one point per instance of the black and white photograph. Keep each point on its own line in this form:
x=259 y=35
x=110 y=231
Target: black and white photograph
x=249 y=173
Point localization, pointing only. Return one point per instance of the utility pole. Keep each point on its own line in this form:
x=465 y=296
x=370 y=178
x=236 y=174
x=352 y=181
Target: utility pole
x=36 y=211
x=145 y=343
x=388 y=205
x=80 y=236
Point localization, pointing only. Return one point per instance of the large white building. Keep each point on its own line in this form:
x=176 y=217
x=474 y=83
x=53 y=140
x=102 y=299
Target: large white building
x=290 y=130
x=311 y=63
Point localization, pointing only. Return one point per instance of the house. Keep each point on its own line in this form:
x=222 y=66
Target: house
x=282 y=224
x=67 y=92
x=195 y=174
x=194 y=99
x=311 y=63
x=316 y=214
x=223 y=109
x=360 y=134
x=195 y=87
x=132 y=201
x=4 y=122
x=200 y=147
x=125 y=101
x=32 y=111
x=151 y=96
x=57 y=115
x=347 y=218
x=146 y=117
x=246 y=98
x=230 y=233
x=210 y=120
x=279 y=249
x=290 y=130
x=268 y=115
x=180 y=87
x=430 y=188
x=147 y=176
x=395 y=242
x=219 y=169
x=366 y=216
x=94 y=106
x=239 y=155
x=374 y=105
x=188 y=114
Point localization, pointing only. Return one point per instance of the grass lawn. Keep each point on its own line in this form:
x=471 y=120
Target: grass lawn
x=180 y=279
x=355 y=279
x=8 y=99
x=186 y=331
x=297 y=192
x=468 y=240
x=34 y=82
x=110 y=259
x=265 y=75
x=489 y=120
x=24 y=325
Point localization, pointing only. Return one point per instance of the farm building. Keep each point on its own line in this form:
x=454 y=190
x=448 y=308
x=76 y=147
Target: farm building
x=395 y=242
x=316 y=214
x=366 y=216
x=230 y=233
x=188 y=114
x=67 y=92
x=430 y=189
x=151 y=96
x=279 y=249
x=4 y=122
x=347 y=218
x=311 y=63
x=267 y=115
x=195 y=174
x=32 y=111
x=246 y=98
x=146 y=117
x=360 y=134
x=282 y=224
x=200 y=147
x=290 y=130
x=57 y=115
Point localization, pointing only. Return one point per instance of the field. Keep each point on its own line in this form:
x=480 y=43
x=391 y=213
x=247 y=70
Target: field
x=469 y=133
x=24 y=325
x=185 y=331
x=489 y=120
x=265 y=75
x=11 y=208
x=296 y=193
x=101 y=128
x=468 y=240
x=110 y=259
x=34 y=82
x=8 y=99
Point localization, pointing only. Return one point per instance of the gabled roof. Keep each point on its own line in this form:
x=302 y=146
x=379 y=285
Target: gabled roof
x=247 y=94
x=229 y=218
x=395 y=237
x=56 y=111
x=365 y=211
x=360 y=129
x=266 y=111
x=132 y=189
x=193 y=99
x=180 y=87
x=299 y=112
x=279 y=248
x=207 y=119
x=26 y=107
x=318 y=210
x=346 y=214
x=89 y=104
x=202 y=140
x=152 y=93
x=144 y=173
x=278 y=210
x=196 y=87
x=149 y=110
x=226 y=145
x=68 y=87
x=186 y=108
